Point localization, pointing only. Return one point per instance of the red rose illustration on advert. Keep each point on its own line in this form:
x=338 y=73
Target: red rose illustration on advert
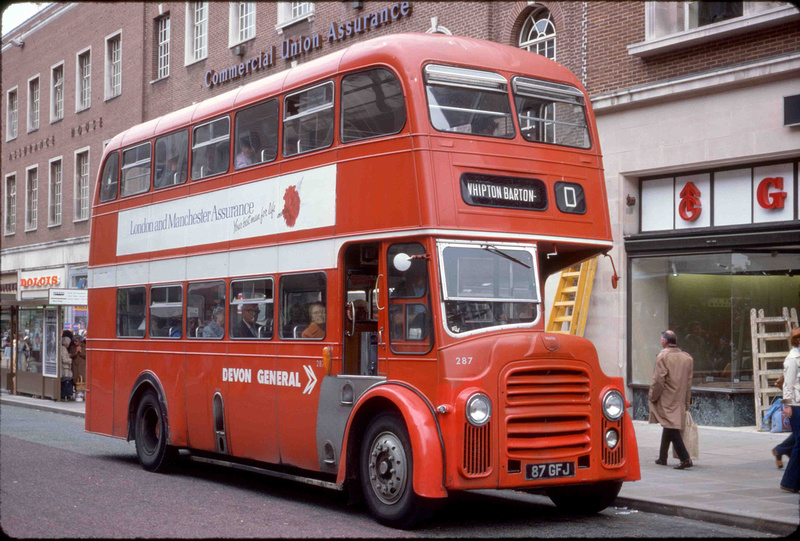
x=291 y=205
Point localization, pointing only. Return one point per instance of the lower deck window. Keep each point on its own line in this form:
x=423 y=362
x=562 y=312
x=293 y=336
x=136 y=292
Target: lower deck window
x=166 y=312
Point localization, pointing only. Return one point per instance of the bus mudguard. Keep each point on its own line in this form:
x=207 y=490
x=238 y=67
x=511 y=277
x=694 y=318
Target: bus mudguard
x=423 y=431
x=631 y=450
x=146 y=380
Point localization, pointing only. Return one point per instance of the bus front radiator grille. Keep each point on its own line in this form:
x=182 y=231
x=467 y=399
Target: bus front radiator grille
x=477 y=458
x=547 y=411
x=547 y=386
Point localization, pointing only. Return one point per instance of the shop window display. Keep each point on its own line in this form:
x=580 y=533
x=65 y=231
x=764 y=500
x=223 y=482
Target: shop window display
x=29 y=343
x=706 y=300
x=5 y=334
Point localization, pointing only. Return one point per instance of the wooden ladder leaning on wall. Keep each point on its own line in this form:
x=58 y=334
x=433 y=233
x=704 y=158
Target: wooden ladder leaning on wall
x=768 y=367
x=571 y=301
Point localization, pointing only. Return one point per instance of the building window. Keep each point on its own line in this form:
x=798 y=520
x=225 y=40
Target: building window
x=538 y=34
x=293 y=12
x=667 y=18
x=11 y=205
x=33 y=104
x=11 y=121
x=162 y=33
x=57 y=93
x=31 y=199
x=54 y=215
x=113 y=66
x=242 y=22
x=83 y=88
x=706 y=299
x=82 y=185
x=196 y=31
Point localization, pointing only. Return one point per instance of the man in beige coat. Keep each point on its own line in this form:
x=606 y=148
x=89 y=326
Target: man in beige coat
x=670 y=396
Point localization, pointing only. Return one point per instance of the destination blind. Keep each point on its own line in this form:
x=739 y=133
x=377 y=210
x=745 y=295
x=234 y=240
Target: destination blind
x=505 y=192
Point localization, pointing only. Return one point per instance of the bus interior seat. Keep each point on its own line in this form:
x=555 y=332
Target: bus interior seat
x=298 y=330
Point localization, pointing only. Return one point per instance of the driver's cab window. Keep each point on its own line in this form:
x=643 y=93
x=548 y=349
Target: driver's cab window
x=409 y=298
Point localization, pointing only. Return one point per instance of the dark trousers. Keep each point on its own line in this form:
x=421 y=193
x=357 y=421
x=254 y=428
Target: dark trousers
x=791 y=475
x=785 y=447
x=673 y=436
x=67 y=387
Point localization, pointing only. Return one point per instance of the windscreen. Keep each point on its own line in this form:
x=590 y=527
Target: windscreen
x=487 y=285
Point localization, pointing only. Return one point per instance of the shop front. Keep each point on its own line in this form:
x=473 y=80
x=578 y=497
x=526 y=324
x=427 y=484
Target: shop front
x=31 y=324
x=712 y=246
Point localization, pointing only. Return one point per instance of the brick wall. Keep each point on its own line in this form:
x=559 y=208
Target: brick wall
x=615 y=25
x=82 y=26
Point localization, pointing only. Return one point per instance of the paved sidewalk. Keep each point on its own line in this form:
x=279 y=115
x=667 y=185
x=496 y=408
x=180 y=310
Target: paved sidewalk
x=734 y=482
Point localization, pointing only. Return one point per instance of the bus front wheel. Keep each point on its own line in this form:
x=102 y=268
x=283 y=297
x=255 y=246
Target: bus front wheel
x=151 y=434
x=386 y=468
x=585 y=499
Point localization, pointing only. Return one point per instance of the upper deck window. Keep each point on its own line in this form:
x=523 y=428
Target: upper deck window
x=551 y=113
x=135 y=170
x=211 y=144
x=372 y=105
x=308 y=120
x=172 y=157
x=256 y=134
x=110 y=178
x=468 y=101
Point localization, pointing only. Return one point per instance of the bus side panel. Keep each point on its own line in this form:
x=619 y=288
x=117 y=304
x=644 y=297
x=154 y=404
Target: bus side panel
x=129 y=362
x=104 y=242
x=100 y=362
x=298 y=399
x=392 y=204
x=250 y=409
x=166 y=361
x=203 y=379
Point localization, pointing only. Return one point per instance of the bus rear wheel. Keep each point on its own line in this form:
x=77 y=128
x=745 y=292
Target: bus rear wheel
x=151 y=434
x=386 y=468
x=585 y=499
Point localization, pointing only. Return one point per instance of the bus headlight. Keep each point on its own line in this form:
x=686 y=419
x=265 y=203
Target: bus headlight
x=479 y=409
x=612 y=438
x=613 y=405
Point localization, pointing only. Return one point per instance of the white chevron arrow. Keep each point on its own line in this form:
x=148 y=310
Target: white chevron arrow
x=312 y=379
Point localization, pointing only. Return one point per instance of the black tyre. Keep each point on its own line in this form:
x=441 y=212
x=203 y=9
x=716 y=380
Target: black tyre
x=386 y=467
x=151 y=434
x=585 y=499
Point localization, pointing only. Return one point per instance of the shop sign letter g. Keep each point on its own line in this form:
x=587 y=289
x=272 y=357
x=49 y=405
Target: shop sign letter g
x=771 y=200
x=690 y=207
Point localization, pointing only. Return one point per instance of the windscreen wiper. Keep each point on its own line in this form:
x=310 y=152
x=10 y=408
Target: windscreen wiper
x=494 y=250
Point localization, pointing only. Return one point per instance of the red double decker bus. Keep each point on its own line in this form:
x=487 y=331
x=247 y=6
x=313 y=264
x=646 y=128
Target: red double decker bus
x=335 y=274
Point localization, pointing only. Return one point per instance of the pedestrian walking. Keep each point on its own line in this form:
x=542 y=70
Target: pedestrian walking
x=670 y=396
x=67 y=383
x=791 y=408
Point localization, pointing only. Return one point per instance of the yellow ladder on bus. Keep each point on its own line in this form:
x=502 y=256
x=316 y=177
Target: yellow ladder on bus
x=571 y=301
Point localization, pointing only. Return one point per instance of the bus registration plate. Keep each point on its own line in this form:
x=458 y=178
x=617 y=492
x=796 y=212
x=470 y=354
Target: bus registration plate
x=549 y=471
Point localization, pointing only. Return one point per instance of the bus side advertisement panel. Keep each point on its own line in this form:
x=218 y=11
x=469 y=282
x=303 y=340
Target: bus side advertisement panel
x=292 y=202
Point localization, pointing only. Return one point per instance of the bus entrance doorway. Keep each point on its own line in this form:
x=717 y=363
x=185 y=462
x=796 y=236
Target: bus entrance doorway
x=360 y=329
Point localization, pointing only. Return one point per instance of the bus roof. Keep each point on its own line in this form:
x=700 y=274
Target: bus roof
x=407 y=52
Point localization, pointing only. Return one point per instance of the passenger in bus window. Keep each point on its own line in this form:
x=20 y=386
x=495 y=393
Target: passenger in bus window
x=169 y=175
x=248 y=328
x=317 y=327
x=247 y=155
x=215 y=328
x=194 y=324
x=213 y=163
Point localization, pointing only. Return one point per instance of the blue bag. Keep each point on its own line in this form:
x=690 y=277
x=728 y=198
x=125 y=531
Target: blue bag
x=775 y=420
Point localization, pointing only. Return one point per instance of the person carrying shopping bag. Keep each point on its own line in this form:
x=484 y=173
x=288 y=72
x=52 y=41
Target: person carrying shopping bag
x=791 y=408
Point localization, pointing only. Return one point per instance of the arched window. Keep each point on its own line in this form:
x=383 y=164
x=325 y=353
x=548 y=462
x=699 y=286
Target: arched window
x=538 y=34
